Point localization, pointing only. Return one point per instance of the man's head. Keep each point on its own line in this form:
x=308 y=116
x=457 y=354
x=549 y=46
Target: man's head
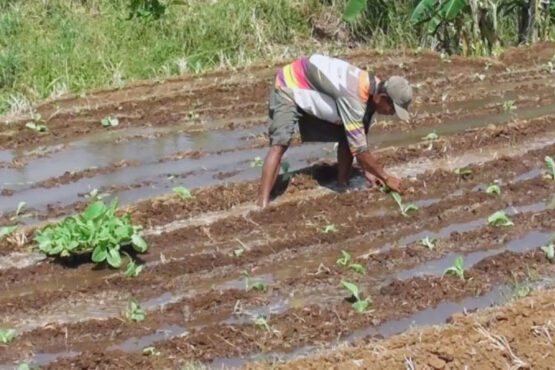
x=393 y=97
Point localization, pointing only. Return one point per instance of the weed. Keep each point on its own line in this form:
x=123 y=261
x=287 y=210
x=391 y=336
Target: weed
x=550 y=163
x=405 y=208
x=6 y=231
x=97 y=230
x=257 y=162
x=330 y=228
x=549 y=251
x=431 y=137
x=500 y=218
x=262 y=323
x=520 y=289
x=133 y=270
x=182 y=192
x=134 y=312
x=493 y=189
x=109 y=122
x=509 y=105
x=457 y=269
x=463 y=172
x=360 y=305
x=6 y=336
x=151 y=351
x=428 y=242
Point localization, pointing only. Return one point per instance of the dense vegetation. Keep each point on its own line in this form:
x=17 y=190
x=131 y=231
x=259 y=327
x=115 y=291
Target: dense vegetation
x=51 y=47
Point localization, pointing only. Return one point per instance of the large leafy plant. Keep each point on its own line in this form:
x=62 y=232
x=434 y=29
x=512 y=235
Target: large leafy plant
x=97 y=230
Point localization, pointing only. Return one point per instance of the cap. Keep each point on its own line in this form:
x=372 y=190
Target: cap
x=400 y=92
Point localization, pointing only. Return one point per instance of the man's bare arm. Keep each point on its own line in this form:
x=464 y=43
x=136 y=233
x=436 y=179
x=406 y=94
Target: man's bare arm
x=369 y=163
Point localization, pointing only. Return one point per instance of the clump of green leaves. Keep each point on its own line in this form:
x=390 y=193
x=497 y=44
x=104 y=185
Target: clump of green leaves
x=133 y=270
x=6 y=231
x=549 y=251
x=134 y=312
x=500 y=218
x=6 y=336
x=550 y=166
x=432 y=136
x=493 y=189
x=330 y=228
x=97 y=230
x=463 y=172
x=346 y=261
x=457 y=269
x=182 y=192
x=405 y=208
x=257 y=162
x=109 y=122
x=360 y=305
x=428 y=242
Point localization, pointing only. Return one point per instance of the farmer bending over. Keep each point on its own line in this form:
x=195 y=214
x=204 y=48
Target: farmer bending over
x=331 y=101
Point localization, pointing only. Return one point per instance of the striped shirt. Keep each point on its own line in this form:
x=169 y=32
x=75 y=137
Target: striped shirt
x=331 y=90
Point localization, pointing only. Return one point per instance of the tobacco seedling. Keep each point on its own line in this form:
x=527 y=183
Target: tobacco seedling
x=331 y=228
x=182 y=192
x=253 y=285
x=238 y=252
x=135 y=313
x=358 y=268
x=344 y=260
x=549 y=251
x=109 y=122
x=500 y=218
x=493 y=189
x=360 y=305
x=457 y=269
x=151 y=351
x=463 y=172
x=550 y=166
x=431 y=137
x=405 y=208
x=428 y=242
x=23 y=366
x=36 y=127
x=261 y=323
x=133 y=270
x=94 y=194
x=257 y=162
x=479 y=77
x=6 y=231
x=20 y=207
x=6 y=336
x=509 y=105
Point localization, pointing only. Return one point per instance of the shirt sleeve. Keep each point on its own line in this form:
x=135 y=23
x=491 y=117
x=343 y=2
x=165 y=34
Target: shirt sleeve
x=351 y=112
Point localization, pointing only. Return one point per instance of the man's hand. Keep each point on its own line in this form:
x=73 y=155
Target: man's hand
x=393 y=183
x=373 y=180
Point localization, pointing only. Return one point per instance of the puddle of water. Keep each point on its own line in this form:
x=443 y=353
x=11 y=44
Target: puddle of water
x=528 y=242
x=276 y=307
x=137 y=344
x=20 y=260
x=267 y=279
x=536 y=172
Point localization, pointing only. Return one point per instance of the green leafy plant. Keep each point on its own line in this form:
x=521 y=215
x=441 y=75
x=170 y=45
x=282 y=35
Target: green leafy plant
x=346 y=261
x=358 y=268
x=251 y=284
x=431 y=137
x=262 y=323
x=463 y=172
x=493 y=189
x=97 y=230
x=6 y=336
x=405 y=208
x=23 y=366
x=353 y=9
x=182 y=192
x=330 y=228
x=36 y=127
x=500 y=218
x=360 y=305
x=6 y=231
x=457 y=269
x=133 y=270
x=109 y=122
x=134 y=312
x=151 y=351
x=428 y=242
x=257 y=162
x=509 y=105
x=550 y=166
x=549 y=251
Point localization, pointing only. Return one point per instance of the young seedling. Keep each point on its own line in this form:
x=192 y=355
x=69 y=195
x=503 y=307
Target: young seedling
x=6 y=231
x=509 y=105
x=23 y=366
x=429 y=243
x=405 y=208
x=360 y=305
x=479 y=77
x=457 y=269
x=330 y=228
x=431 y=137
x=6 y=336
x=500 y=218
x=94 y=194
x=344 y=260
x=36 y=127
x=463 y=172
x=261 y=323
x=109 y=122
x=253 y=285
x=550 y=166
x=493 y=189
x=133 y=270
x=135 y=313
x=20 y=207
x=549 y=251
x=151 y=351
x=257 y=162
x=238 y=252
x=358 y=268
x=182 y=192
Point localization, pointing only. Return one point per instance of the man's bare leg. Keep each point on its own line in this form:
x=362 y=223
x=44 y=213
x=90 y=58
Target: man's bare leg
x=344 y=163
x=270 y=171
